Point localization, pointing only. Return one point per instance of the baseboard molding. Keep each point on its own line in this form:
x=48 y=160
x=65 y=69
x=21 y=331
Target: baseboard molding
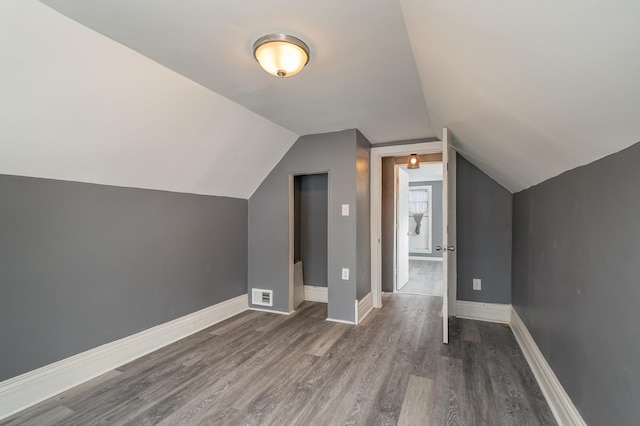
x=251 y=308
x=434 y=259
x=364 y=306
x=35 y=386
x=316 y=294
x=491 y=312
x=560 y=403
x=340 y=321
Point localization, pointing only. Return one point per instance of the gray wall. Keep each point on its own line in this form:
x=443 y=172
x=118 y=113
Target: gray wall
x=484 y=229
x=82 y=265
x=575 y=282
x=387 y=213
x=269 y=220
x=363 y=207
x=312 y=236
x=436 y=220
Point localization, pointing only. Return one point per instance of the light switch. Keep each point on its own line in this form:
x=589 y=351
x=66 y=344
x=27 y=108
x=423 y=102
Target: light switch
x=345 y=273
x=345 y=210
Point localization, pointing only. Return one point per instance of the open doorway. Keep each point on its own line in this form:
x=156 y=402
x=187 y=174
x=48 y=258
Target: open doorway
x=382 y=236
x=411 y=222
x=310 y=238
x=418 y=215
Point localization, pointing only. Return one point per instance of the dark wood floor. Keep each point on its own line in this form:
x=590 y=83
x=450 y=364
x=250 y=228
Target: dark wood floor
x=265 y=369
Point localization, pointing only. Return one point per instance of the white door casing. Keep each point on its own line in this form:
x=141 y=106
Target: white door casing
x=402 y=228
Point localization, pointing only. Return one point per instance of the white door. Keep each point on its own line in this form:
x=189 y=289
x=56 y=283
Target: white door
x=448 y=233
x=402 y=227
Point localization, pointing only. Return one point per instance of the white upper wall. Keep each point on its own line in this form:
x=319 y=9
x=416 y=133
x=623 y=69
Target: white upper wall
x=529 y=89
x=78 y=106
x=426 y=173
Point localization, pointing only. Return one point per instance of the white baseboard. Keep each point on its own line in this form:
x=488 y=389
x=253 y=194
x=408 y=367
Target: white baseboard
x=435 y=259
x=251 y=308
x=491 y=312
x=341 y=321
x=364 y=306
x=316 y=294
x=561 y=405
x=35 y=386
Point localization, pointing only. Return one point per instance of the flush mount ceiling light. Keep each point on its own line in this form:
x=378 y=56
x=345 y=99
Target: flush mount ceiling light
x=281 y=55
x=414 y=162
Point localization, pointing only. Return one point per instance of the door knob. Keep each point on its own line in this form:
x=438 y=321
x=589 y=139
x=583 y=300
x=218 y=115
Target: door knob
x=439 y=248
x=451 y=248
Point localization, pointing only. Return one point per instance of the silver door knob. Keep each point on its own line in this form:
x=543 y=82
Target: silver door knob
x=451 y=248
x=439 y=248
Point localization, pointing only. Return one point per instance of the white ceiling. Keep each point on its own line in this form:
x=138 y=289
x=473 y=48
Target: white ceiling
x=361 y=73
x=77 y=106
x=528 y=89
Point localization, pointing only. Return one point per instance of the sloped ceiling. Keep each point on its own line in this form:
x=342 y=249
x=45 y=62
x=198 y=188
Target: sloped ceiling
x=528 y=89
x=75 y=105
x=361 y=72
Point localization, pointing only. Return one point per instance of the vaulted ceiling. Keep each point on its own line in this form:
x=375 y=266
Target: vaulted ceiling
x=166 y=95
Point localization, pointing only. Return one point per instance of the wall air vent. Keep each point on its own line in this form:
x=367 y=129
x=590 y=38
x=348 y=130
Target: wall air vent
x=261 y=297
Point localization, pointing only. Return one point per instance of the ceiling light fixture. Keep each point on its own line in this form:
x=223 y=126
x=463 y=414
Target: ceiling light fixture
x=414 y=162
x=281 y=55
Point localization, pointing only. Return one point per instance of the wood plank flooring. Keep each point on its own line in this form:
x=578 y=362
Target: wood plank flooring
x=425 y=277
x=260 y=368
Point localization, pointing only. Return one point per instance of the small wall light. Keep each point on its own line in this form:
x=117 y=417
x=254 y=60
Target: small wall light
x=281 y=55
x=414 y=162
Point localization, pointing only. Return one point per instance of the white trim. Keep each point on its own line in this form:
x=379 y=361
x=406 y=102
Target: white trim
x=314 y=293
x=340 y=321
x=35 y=386
x=491 y=312
x=273 y=311
x=376 y=192
x=364 y=306
x=561 y=405
x=431 y=258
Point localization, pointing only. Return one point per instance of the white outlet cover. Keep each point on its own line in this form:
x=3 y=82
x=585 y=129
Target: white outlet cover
x=345 y=273
x=477 y=284
x=345 y=210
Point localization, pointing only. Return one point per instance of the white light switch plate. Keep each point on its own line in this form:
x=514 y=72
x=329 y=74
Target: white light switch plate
x=345 y=210
x=477 y=284
x=345 y=273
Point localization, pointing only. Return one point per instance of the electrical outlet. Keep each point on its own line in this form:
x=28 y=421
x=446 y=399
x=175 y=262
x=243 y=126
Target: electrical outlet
x=477 y=284
x=345 y=273
x=345 y=210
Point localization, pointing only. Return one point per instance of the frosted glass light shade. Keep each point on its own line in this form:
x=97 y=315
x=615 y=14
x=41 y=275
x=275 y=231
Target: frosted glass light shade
x=281 y=55
x=414 y=162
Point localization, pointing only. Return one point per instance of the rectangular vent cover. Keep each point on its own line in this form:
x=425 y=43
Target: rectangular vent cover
x=261 y=297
